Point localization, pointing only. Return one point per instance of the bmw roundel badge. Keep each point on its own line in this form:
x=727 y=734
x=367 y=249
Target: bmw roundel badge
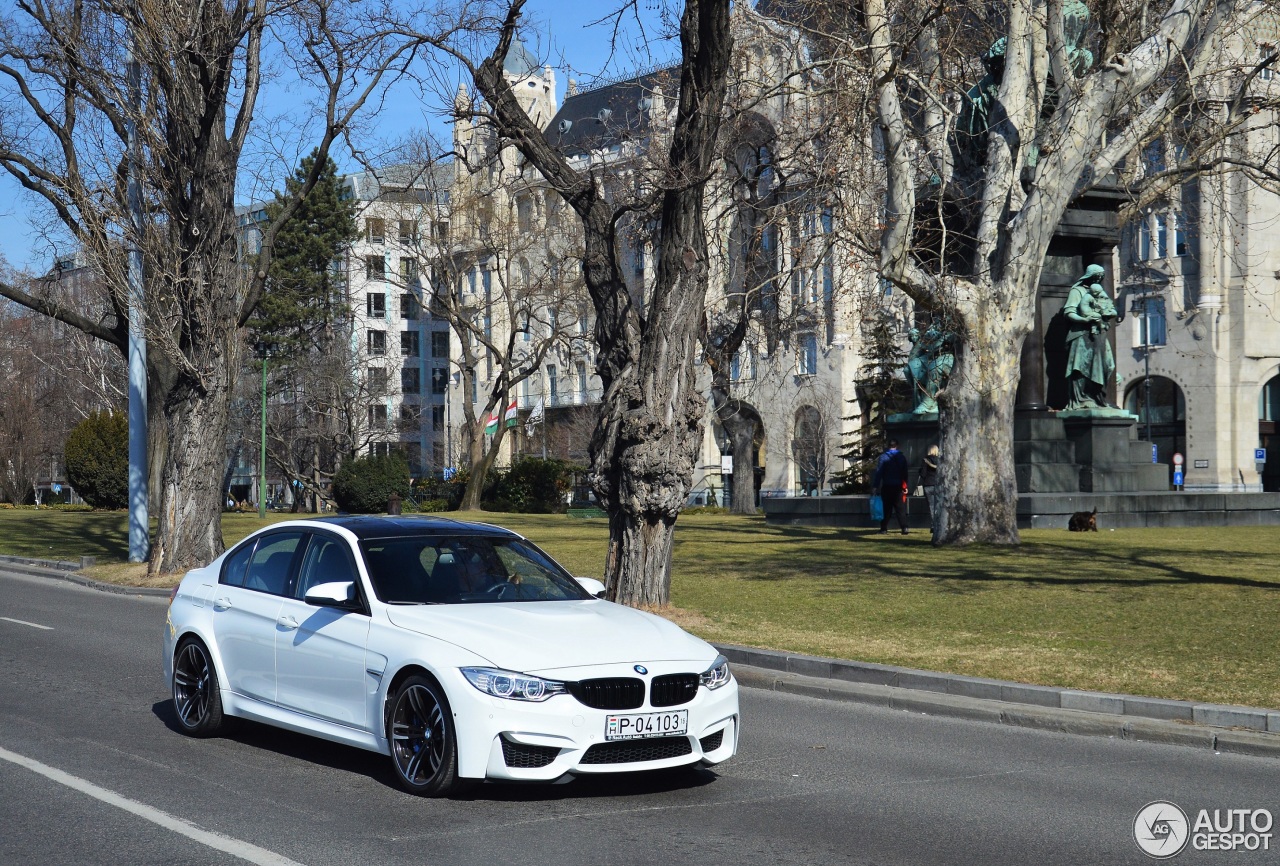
x=641 y=669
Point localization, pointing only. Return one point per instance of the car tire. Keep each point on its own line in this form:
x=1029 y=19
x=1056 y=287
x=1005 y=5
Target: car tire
x=197 y=698
x=424 y=746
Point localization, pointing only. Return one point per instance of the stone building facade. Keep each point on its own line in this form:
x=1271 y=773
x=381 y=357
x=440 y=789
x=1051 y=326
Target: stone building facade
x=1198 y=354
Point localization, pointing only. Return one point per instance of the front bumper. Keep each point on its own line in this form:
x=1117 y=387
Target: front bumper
x=521 y=741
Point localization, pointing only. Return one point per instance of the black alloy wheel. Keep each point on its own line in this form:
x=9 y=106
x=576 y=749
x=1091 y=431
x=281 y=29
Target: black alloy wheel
x=196 y=697
x=424 y=750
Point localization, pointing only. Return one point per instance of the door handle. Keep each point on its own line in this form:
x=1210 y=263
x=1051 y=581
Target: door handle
x=287 y=622
x=221 y=603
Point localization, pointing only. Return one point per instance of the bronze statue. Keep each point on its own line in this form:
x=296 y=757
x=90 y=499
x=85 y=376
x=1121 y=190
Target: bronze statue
x=928 y=366
x=978 y=104
x=1089 y=311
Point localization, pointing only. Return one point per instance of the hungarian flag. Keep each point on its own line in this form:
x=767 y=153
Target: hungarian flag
x=512 y=414
x=491 y=426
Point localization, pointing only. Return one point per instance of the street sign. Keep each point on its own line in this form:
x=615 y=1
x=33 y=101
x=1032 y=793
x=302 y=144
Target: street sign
x=1155 y=453
x=57 y=489
x=1177 y=477
x=1202 y=464
x=1177 y=459
x=1260 y=455
x=726 y=464
x=448 y=472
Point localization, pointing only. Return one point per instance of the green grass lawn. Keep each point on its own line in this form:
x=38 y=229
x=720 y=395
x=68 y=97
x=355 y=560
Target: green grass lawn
x=1178 y=613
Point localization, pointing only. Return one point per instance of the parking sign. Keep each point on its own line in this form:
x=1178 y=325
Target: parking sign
x=1260 y=455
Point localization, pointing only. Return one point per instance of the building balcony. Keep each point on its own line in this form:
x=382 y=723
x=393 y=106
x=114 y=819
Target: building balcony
x=560 y=400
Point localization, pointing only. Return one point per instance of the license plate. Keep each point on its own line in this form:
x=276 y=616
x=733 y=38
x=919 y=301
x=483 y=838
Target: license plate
x=671 y=724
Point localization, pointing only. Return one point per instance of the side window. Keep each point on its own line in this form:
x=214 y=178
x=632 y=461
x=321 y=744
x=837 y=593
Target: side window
x=327 y=561
x=269 y=568
x=233 y=566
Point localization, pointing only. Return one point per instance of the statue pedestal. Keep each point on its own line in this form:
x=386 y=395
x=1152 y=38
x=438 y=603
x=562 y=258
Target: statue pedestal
x=1044 y=459
x=1076 y=451
x=1112 y=459
x=915 y=433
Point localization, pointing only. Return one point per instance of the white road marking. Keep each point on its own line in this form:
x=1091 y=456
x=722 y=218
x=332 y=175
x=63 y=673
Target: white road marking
x=24 y=622
x=235 y=847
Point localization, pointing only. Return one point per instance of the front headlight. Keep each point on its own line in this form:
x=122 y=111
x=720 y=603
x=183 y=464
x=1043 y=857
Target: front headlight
x=716 y=675
x=511 y=685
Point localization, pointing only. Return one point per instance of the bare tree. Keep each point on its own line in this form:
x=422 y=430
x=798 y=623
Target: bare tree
x=644 y=447
x=978 y=178
x=37 y=405
x=64 y=135
x=501 y=276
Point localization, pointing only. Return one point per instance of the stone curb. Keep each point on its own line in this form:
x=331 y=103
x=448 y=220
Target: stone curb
x=1081 y=722
x=58 y=564
x=54 y=570
x=929 y=686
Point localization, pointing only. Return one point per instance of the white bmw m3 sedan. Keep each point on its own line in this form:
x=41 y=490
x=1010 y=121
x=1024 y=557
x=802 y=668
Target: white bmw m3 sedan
x=459 y=649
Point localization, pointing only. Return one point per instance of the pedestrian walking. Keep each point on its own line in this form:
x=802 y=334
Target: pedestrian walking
x=890 y=479
x=928 y=483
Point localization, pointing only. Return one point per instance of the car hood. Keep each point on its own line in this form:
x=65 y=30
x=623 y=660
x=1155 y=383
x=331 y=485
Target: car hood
x=541 y=636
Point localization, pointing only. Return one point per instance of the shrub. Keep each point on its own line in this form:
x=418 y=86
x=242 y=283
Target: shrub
x=363 y=485
x=436 y=494
x=531 y=486
x=97 y=455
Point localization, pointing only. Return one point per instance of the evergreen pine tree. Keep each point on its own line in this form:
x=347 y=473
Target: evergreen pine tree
x=880 y=394
x=301 y=298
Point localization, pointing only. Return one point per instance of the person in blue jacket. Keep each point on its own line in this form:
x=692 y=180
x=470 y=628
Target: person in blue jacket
x=890 y=481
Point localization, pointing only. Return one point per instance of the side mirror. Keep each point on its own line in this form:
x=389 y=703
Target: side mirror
x=591 y=585
x=340 y=594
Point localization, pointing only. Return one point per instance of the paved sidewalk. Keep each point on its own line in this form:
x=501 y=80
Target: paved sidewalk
x=1242 y=730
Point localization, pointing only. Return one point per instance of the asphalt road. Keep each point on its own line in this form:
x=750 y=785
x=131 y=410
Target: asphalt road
x=92 y=772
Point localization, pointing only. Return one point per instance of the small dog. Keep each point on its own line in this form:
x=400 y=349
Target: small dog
x=1084 y=521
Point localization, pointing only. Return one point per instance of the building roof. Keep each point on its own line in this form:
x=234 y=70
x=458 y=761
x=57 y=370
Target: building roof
x=432 y=180
x=612 y=113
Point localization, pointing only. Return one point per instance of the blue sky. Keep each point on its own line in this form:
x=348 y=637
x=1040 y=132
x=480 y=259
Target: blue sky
x=560 y=33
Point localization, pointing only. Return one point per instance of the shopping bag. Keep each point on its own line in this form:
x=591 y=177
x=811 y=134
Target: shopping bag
x=877 y=509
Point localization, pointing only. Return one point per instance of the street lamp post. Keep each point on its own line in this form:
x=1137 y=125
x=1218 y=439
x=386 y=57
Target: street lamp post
x=262 y=451
x=139 y=522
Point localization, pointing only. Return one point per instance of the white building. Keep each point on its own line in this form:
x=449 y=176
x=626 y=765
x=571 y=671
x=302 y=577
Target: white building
x=1200 y=283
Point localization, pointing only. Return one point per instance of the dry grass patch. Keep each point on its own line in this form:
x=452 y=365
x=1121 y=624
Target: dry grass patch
x=130 y=574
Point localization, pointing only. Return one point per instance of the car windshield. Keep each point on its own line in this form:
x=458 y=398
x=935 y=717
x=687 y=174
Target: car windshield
x=425 y=569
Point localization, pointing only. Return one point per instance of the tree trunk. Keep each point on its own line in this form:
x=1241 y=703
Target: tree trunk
x=739 y=422
x=481 y=462
x=190 y=514
x=742 y=432
x=978 y=492
x=641 y=548
x=645 y=447
x=314 y=496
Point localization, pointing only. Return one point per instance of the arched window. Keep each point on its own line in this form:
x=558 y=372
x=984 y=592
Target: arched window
x=1268 y=415
x=810 y=449
x=1162 y=416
